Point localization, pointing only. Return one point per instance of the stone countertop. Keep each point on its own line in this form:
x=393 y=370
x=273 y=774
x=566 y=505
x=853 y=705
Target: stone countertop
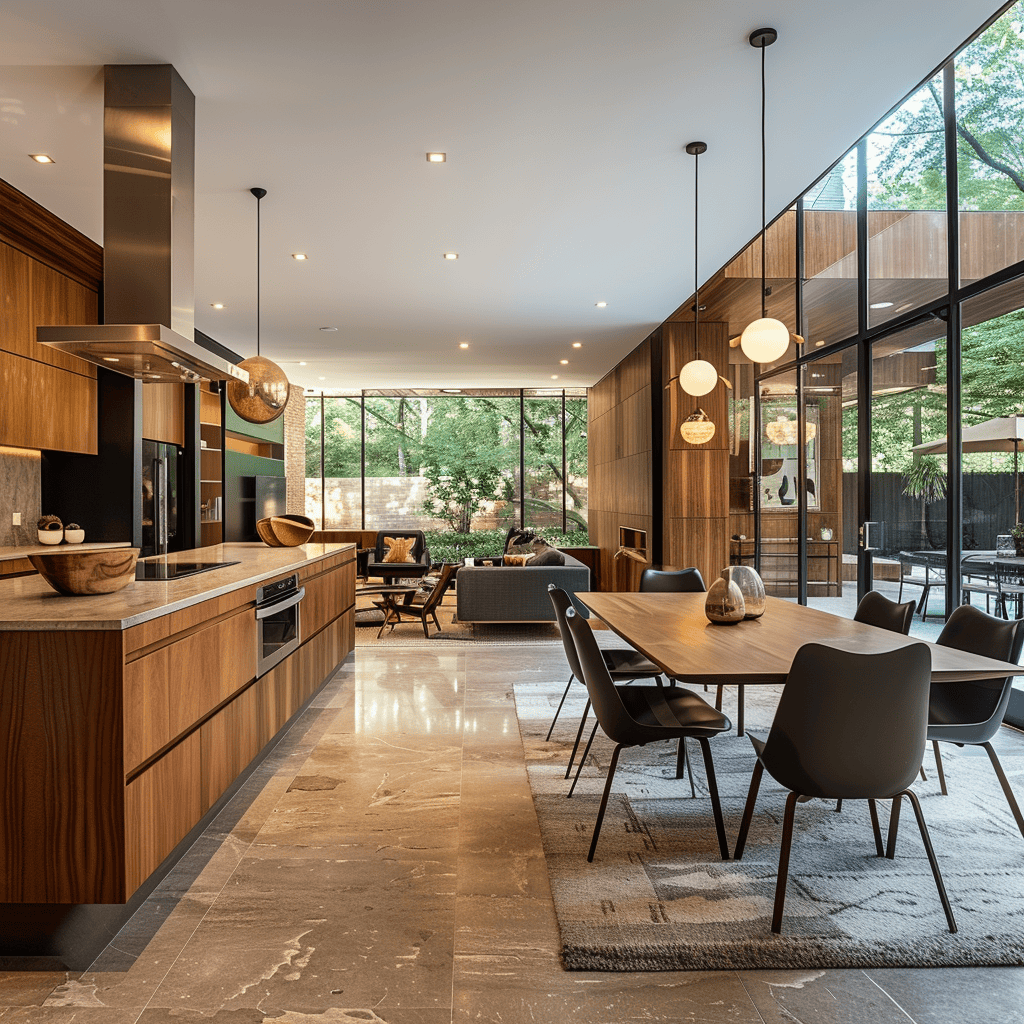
x=9 y=554
x=29 y=603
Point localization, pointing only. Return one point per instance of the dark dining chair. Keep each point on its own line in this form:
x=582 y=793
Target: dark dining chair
x=970 y=713
x=848 y=725
x=632 y=716
x=623 y=663
x=420 y=606
x=876 y=609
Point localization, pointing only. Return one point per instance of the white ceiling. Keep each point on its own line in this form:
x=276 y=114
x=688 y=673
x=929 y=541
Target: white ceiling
x=566 y=184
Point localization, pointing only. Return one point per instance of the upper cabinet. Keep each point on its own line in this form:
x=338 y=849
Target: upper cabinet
x=49 y=275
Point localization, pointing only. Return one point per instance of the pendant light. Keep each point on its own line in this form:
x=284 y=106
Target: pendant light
x=263 y=399
x=697 y=428
x=764 y=340
x=698 y=376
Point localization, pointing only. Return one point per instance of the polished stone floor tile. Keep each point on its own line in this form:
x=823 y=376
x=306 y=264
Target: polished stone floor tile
x=994 y=995
x=30 y=988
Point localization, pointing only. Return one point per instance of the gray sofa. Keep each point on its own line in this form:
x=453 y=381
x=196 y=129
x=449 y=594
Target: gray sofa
x=516 y=593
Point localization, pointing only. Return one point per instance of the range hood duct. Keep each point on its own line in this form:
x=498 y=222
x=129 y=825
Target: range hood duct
x=148 y=235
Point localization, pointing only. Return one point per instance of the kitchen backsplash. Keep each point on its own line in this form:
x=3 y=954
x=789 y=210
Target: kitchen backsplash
x=19 y=492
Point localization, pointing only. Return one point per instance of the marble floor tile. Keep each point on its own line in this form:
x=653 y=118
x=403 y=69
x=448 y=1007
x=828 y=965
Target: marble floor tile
x=30 y=988
x=994 y=995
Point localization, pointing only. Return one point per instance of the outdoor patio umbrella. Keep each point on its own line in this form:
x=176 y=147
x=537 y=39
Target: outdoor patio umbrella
x=1005 y=434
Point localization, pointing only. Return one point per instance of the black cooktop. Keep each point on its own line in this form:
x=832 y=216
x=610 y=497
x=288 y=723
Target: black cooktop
x=174 y=570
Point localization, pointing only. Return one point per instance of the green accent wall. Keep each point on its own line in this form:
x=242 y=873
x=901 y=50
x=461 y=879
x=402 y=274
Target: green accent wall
x=273 y=431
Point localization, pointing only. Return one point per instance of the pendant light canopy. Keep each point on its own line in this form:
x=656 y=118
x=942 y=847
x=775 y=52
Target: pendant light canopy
x=263 y=399
x=698 y=376
x=766 y=339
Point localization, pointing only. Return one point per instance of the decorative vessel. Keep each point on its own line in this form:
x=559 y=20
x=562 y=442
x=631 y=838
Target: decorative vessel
x=751 y=586
x=292 y=530
x=263 y=528
x=826 y=533
x=724 y=604
x=75 y=573
x=73 y=534
x=50 y=530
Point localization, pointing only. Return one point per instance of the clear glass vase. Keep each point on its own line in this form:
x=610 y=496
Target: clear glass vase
x=750 y=586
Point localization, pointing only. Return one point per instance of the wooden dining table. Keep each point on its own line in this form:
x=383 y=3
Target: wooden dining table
x=673 y=631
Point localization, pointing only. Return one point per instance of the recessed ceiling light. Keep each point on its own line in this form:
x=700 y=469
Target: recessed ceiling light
x=463 y=344
x=554 y=376
x=564 y=362
x=42 y=158
x=299 y=256
x=577 y=344
x=451 y=255
x=436 y=158
x=110 y=359
x=881 y=305
x=302 y=364
x=452 y=391
x=323 y=378
x=217 y=305
x=328 y=328
x=818 y=344
x=600 y=305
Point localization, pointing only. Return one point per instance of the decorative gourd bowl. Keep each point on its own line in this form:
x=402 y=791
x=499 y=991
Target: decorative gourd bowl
x=77 y=573
x=287 y=531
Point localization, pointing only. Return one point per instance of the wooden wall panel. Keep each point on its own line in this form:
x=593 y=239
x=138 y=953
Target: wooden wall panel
x=163 y=414
x=61 y=738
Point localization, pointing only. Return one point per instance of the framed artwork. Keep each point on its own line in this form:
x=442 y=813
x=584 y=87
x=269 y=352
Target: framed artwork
x=777 y=487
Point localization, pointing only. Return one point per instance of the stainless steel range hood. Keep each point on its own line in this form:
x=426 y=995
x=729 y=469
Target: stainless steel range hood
x=148 y=235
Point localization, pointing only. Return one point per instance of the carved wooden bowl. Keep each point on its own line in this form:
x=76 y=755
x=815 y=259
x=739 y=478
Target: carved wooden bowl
x=266 y=532
x=75 y=573
x=292 y=530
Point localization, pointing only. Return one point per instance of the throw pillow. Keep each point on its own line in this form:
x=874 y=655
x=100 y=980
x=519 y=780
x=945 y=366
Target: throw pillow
x=399 y=549
x=548 y=555
x=517 y=559
x=519 y=542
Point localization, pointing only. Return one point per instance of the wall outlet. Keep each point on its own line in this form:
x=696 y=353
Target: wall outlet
x=16 y=519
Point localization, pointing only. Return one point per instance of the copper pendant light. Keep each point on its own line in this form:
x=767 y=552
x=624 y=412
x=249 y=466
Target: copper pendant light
x=264 y=398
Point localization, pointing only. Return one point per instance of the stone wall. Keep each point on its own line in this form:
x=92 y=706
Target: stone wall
x=19 y=492
x=295 y=450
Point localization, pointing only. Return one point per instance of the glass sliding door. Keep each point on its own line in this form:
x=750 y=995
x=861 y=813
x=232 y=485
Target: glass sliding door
x=343 y=495
x=908 y=471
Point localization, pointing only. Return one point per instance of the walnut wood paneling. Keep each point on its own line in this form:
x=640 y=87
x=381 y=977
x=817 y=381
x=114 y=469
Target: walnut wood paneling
x=169 y=690
x=230 y=740
x=163 y=414
x=16 y=567
x=27 y=226
x=161 y=806
x=60 y=724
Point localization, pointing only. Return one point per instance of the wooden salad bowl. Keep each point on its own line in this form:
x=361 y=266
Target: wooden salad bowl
x=77 y=573
x=292 y=530
x=266 y=532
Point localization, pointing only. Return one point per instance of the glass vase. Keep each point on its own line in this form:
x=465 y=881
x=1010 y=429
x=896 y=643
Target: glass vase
x=751 y=587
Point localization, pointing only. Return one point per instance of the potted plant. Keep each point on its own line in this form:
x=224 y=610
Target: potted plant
x=1017 y=533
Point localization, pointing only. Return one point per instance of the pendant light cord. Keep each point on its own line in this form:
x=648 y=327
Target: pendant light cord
x=764 y=188
x=696 y=228
x=258 y=250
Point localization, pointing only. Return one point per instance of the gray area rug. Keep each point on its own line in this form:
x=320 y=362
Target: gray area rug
x=658 y=897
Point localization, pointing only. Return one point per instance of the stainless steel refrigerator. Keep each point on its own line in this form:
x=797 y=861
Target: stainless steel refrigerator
x=161 y=498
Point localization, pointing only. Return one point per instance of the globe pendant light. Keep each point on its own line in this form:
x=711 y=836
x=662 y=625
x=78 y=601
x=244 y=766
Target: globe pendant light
x=263 y=399
x=698 y=376
x=766 y=339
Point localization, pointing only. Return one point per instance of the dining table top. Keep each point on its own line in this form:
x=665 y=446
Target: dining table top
x=673 y=631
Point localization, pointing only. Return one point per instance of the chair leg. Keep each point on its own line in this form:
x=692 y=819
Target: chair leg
x=739 y=710
x=426 y=630
x=924 y=778
x=718 y=698
x=583 y=761
x=1007 y=792
x=938 y=767
x=684 y=764
x=604 y=801
x=559 y=708
x=787 y=842
x=436 y=623
x=926 y=839
x=894 y=825
x=716 y=804
x=579 y=736
x=748 y=810
x=873 y=810
x=839 y=806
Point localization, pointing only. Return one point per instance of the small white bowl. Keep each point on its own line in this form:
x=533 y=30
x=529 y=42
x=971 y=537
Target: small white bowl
x=74 y=536
x=50 y=536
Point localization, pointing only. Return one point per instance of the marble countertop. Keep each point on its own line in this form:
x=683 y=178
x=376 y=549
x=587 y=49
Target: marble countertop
x=29 y=603
x=9 y=554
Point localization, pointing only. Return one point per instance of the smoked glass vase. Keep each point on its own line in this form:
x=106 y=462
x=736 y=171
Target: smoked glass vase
x=751 y=587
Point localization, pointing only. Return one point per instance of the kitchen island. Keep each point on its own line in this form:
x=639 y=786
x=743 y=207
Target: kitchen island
x=126 y=717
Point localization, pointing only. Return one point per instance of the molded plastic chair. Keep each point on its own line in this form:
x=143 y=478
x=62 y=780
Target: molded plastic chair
x=623 y=664
x=876 y=609
x=848 y=725
x=632 y=716
x=971 y=712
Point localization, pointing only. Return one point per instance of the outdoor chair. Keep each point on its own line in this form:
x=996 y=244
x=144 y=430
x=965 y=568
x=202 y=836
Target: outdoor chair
x=848 y=726
x=420 y=554
x=633 y=716
x=970 y=713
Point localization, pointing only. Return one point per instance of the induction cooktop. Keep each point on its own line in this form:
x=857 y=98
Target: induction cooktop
x=174 y=570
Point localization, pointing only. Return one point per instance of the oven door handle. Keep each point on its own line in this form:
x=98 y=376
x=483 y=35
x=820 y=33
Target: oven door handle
x=266 y=610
